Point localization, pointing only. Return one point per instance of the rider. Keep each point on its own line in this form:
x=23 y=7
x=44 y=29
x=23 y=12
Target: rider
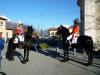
x=20 y=32
x=75 y=32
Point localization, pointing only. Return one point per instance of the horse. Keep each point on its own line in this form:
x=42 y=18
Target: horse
x=26 y=45
x=83 y=41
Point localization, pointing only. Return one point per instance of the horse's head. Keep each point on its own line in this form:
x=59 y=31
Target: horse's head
x=59 y=30
x=28 y=34
x=30 y=30
x=62 y=30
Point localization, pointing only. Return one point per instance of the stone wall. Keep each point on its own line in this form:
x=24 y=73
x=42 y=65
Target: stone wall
x=82 y=17
x=90 y=19
x=90 y=24
x=97 y=20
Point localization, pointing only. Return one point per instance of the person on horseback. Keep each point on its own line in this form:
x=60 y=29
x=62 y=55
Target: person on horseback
x=20 y=32
x=75 y=32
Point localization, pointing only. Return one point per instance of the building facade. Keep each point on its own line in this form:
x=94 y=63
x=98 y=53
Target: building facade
x=90 y=18
x=52 y=32
x=4 y=32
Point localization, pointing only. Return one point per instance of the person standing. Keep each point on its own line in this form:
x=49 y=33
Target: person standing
x=1 y=48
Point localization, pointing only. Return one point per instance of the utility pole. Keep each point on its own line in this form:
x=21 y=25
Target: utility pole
x=41 y=31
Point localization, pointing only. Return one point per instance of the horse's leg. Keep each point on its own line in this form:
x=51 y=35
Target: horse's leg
x=12 y=54
x=90 y=56
x=12 y=50
x=27 y=58
x=66 y=58
x=66 y=52
x=9 y=53
x=24 y=59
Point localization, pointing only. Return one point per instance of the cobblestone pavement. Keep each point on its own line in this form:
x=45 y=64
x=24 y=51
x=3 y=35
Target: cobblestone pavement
x=47 y=63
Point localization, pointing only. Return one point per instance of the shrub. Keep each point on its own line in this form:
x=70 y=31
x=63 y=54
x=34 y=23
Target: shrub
x=44 y=46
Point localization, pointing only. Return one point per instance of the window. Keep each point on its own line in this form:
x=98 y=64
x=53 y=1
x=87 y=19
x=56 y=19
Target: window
x=52 y=33
x=1 y=23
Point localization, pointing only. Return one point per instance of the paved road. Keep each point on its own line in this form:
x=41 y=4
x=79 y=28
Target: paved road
x=44 y=63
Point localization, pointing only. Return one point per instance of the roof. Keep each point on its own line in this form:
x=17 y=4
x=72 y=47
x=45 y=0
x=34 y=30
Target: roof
x=2 y=18
x=52 y=29
x=12 y=25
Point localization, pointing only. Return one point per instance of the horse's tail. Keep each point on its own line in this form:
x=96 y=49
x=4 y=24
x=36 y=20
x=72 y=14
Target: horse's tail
x=90 y=42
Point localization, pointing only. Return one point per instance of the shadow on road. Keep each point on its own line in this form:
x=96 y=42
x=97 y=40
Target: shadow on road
x=2 y=73
x=53 y=54
x=86 y=68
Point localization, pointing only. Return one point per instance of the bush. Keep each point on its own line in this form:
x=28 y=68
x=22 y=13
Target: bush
x=44 y=46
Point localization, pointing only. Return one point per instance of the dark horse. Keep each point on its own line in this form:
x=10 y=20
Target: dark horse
x=83 y=41
x=26 y=45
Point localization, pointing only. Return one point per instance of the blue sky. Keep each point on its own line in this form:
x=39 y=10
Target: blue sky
x=41 y=13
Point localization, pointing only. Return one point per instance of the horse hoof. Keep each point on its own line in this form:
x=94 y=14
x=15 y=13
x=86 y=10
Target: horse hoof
x=27 y=60
x=65 y=59
x=88 y=64
x=24 y=62
x=11 y=59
